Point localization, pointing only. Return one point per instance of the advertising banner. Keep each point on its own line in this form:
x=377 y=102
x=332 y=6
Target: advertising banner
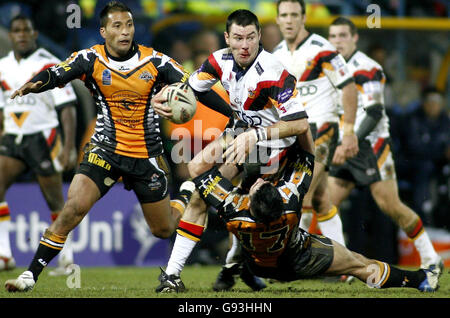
x=113 y=233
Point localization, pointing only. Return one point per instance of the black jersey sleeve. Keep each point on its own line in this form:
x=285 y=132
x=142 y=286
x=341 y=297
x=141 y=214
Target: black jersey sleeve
x=78 y=65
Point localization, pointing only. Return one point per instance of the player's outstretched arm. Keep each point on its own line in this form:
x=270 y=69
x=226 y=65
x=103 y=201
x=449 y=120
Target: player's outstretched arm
x=29 y=87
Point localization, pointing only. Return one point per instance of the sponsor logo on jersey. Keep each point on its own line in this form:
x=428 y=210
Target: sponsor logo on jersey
x=65 y=66
x=106 y=77
x=314 y=42
x=146 y=76
x=251 y=92
x=300 y=166
x=227 y=56
x=124 y=68
x=307 y=90
x=259 y=69
x=337 y=62
x=284 y=96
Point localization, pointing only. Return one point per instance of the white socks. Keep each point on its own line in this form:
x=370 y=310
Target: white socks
x=182 y=248
x=426 y=250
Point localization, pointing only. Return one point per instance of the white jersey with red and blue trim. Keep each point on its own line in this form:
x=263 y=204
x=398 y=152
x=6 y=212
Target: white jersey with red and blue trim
x=319 y=70
x=261 y=94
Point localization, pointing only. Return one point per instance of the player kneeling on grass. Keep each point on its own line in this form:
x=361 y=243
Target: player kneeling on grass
x=265 y=221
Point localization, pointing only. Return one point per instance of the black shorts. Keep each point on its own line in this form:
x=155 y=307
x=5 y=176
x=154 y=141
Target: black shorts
x=37 y=151
x=310 y=258
x=367 y=167
x=147 y=177
x=326 y=138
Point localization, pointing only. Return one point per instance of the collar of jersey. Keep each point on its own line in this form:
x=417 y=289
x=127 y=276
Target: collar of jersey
x=133 y=50
x=304 y=40
x=351 y=55
x=240 y=72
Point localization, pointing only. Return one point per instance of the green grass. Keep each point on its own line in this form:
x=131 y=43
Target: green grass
x=139 y=282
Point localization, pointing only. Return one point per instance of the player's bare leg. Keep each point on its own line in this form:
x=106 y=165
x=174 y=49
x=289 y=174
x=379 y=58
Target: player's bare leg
x=385 y=194
x=380 y=274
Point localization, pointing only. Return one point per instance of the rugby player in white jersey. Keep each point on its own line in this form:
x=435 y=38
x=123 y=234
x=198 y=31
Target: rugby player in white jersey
x=374 y=165
x=263 y=98
x=30 y=135
x=319 y=70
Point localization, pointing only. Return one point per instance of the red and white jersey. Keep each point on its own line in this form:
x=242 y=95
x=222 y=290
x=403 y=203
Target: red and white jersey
x=261 y=95
x=370 y=80
x=319 y=70
x=33 y=112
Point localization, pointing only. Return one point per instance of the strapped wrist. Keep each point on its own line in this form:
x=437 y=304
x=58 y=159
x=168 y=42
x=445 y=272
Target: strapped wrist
x=348 y=129
x=261 y=133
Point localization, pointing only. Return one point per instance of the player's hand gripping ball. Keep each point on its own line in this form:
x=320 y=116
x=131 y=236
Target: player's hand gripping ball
x=182 y=101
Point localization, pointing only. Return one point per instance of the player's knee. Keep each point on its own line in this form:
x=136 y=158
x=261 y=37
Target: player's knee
x=163 y=232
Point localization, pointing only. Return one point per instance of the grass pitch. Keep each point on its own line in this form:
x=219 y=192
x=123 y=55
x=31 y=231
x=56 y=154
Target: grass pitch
x=140 y=282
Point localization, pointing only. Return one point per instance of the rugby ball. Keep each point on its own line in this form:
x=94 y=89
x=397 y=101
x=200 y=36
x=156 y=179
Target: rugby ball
x=181 y=99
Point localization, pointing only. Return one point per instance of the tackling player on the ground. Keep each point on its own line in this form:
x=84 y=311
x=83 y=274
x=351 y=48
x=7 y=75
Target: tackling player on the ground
x=31 y=138
x=319 y=70
x=123 y=78
x=266 y=221
x=374 y=164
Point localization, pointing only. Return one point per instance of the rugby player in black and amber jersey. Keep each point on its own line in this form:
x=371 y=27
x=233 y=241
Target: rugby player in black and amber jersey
x=122 y=77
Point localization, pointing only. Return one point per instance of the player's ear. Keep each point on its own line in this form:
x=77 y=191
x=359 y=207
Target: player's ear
x=227 y=37
x=35 y=34
x=102 y=32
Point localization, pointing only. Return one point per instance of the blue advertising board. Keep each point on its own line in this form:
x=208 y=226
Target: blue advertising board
x=114 y=232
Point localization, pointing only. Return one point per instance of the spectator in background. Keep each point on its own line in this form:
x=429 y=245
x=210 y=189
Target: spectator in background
x=206 y=40
x=425 y=147
x=270 y=36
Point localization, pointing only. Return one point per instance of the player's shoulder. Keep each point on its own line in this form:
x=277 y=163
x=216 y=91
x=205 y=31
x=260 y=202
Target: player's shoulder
x=223 y=55
x=5 y=60
x=360 y=60
x=267 y=66
x=319 y=43
x=280 y=48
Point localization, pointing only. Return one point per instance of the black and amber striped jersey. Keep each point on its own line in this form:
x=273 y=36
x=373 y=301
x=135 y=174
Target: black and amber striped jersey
x=260 y=95
x=319 y=70
x=263 y=243
x=122 y=89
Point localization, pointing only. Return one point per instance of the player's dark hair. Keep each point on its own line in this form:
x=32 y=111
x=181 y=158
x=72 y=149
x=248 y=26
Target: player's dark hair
x=345 y=21
x=266 y=204
x=20 y=17
x=242 y=17
x=301 y=2
x=112 y=6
